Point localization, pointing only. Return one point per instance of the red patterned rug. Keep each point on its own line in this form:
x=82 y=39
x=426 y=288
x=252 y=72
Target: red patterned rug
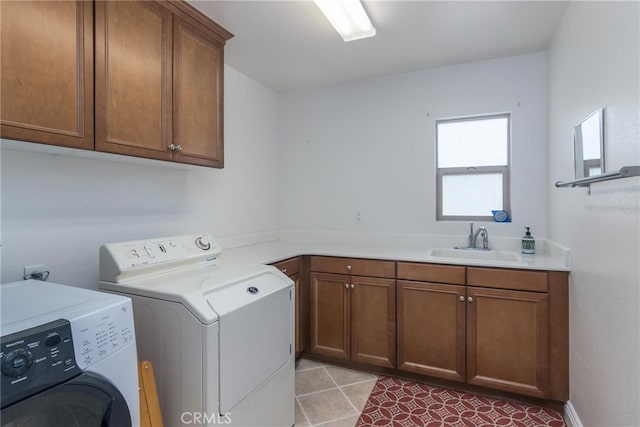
x=398 y=403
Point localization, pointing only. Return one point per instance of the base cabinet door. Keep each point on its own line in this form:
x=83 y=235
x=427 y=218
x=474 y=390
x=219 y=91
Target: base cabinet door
x=330 y=306
x=373 y=321
x=431 y=329
x=353 y=318
x=47 y=72
x=507 y=340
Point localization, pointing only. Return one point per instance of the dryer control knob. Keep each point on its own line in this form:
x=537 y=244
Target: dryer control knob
x=203 y=243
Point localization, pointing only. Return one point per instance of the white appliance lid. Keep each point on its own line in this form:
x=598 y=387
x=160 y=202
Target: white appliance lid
x=31 y=303
x=196 y=287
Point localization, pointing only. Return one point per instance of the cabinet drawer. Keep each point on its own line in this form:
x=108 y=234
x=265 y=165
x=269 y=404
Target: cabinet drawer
x=357 y=267
x=523 y=280
x=431 y=273
x=290 y=267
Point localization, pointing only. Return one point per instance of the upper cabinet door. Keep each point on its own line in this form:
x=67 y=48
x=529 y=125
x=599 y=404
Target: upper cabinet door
x=47 y=72
x=198 y=94
x=133 y=78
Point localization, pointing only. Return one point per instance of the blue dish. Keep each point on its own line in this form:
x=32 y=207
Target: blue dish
x=501 y=216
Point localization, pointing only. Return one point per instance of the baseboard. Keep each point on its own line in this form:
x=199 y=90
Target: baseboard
x=571 y=416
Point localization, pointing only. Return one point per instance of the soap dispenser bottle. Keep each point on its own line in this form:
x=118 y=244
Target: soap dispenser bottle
x=528 y=243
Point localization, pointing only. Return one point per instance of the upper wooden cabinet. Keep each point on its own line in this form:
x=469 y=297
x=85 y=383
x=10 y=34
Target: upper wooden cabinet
x=198 y=67
x=133 y=78
x=159 y=83
x=159 y=68
x=47 y=72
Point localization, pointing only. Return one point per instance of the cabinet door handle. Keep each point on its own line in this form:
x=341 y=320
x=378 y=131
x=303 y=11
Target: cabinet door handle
x=178 y=148
x=470 y=299
x=353 y=286
x=284 y=270
x=348 y=268
x=462 y=298
x=346 y=286
x=172 y=147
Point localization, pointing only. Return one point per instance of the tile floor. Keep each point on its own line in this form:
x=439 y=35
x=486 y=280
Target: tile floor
x=330 y=396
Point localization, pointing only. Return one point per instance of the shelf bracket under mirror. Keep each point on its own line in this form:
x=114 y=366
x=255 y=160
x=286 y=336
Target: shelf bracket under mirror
x=624 y=172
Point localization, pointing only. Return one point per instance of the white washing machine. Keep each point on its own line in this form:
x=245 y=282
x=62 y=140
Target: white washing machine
x=68 y=357
x=220 y=334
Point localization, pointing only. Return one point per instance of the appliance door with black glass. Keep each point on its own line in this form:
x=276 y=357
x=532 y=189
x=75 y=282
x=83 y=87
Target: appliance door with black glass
x=84 y=401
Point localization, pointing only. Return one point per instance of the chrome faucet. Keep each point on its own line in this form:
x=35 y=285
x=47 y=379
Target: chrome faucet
x=474 y=236
x=471 y=243
x=485 y=238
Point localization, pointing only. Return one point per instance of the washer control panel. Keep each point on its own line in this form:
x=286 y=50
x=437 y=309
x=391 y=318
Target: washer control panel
x=98 y=336
x=142 y=257
x=35 y=359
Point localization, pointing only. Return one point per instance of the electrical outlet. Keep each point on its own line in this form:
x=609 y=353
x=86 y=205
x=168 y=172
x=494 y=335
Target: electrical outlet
x=37 y=271
x=358 y=219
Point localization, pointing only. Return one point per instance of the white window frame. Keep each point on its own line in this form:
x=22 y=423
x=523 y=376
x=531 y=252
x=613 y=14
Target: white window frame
x=474 y=170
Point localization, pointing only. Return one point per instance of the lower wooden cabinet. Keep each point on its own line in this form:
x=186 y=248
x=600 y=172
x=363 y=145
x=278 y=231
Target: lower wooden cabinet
x=490 y=335
x=432 y=329
x=373 y=321
x=501 y=329
x=508 y=340
x=330 y=315
x=353 y=318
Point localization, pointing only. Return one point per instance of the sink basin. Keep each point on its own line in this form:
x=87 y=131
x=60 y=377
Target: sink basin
x=470 y=254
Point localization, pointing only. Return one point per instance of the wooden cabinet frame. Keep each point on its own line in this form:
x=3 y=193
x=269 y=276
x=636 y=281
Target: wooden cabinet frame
x=494 y=316
x=126 y=102
x=330 y=314
x=352 y=316
x=158 y=78
x=44 y=112
x=505 y=326
x=531 y=308
x=435 y=314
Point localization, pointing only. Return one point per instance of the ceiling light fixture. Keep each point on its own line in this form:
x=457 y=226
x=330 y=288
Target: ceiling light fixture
x=348 y=18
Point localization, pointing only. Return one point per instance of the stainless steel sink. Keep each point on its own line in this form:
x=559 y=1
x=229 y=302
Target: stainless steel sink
x=479 y=255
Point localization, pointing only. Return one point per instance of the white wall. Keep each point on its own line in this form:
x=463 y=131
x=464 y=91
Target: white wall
x=594 y=62
x=57 y=210
x=368 y=147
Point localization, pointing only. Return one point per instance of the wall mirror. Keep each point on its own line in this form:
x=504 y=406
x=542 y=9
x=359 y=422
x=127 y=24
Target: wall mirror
x=589 y=145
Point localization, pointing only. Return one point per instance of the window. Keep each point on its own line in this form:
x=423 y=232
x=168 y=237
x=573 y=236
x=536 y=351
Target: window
x=472 y=173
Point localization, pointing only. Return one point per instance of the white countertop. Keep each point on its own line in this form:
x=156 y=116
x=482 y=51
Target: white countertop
x=552 y=258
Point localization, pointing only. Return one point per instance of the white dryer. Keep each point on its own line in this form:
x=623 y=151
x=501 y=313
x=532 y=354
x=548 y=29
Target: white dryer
x=68 y=357
x=220 y=334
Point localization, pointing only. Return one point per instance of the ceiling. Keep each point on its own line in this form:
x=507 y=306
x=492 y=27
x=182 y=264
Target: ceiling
x=288 y=45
